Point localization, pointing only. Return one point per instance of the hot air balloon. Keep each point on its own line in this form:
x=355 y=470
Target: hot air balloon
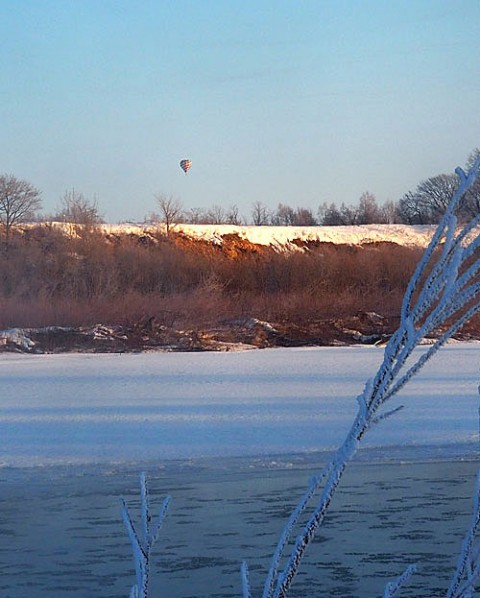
x=185 y=165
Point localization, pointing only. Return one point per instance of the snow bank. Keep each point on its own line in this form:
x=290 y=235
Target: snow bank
x=17 y=337
x=283 y=236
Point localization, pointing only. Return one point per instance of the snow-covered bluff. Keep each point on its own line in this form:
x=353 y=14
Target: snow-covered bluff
x=285 y=237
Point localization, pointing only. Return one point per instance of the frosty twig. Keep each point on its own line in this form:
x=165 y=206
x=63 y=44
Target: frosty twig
x=142 y=545
x=392 y=588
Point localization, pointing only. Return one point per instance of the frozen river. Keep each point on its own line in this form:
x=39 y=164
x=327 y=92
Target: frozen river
x=233 y=437
x=58 y=409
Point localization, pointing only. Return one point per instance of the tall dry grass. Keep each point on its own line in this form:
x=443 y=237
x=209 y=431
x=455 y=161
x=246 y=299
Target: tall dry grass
x=47 y=278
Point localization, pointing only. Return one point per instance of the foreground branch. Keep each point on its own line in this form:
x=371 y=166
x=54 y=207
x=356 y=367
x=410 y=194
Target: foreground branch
x=142 y=544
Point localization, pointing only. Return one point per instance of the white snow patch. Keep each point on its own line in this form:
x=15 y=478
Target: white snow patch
x=279 y=237
x=18 y=337
x=283 y=236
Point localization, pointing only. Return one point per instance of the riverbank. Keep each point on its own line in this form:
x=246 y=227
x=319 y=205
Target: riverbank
x=363 y=328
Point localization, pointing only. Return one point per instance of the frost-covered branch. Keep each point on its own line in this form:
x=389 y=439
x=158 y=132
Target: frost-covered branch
x=443 y=294
x=142 y=544
x=392 y=588
x=468 y=566
x=245 y=581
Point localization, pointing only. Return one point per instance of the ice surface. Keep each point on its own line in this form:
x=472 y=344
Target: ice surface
x=77 y=408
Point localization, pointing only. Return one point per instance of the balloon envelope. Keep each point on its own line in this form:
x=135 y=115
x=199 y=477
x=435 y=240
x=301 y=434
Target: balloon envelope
x=185 y=165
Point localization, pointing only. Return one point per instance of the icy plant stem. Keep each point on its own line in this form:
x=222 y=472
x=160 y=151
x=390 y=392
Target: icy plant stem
x=339 y=463
x=312 y=489
x=245 y=581
x=392 y=588
x=468 y=563
x=142 y=545
x=446 y=294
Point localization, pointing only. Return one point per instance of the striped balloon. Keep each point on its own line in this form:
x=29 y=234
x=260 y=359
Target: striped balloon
x=185 y=165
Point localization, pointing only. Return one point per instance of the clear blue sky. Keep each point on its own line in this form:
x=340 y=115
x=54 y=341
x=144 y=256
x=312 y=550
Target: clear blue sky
x=293 y=101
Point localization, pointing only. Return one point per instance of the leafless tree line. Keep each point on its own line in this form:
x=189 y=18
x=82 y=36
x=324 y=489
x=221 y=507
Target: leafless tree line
x=426 y=204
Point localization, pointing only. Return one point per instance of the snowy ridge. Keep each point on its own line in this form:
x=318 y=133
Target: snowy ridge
x=280 y=237
x=284 y=236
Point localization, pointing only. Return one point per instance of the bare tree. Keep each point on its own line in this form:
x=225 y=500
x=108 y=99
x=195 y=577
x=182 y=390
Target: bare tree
x=171 y=210
x=389 y=212
x=284 y=215
x=348 y=215
x=78 y=210
x=233 y=216
x=331 y=216
x=260 y=214
x=435 y=193
x=195 y=216
x=216 y=215
x=368 y=211
x=410 y=211
x=427 y=204
x=472 y=197
x=322 y=210
x=19 y=200
x=304 y=217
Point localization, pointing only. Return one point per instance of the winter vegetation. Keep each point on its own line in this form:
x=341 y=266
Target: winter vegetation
x=442 y=293
x=208 y=278
x=56 y=278
x=143 y=540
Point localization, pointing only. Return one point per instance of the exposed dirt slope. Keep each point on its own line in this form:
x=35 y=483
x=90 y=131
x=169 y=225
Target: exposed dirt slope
x=363 y=328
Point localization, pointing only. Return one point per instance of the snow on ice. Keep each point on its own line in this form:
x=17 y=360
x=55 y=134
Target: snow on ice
x=78 y=408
